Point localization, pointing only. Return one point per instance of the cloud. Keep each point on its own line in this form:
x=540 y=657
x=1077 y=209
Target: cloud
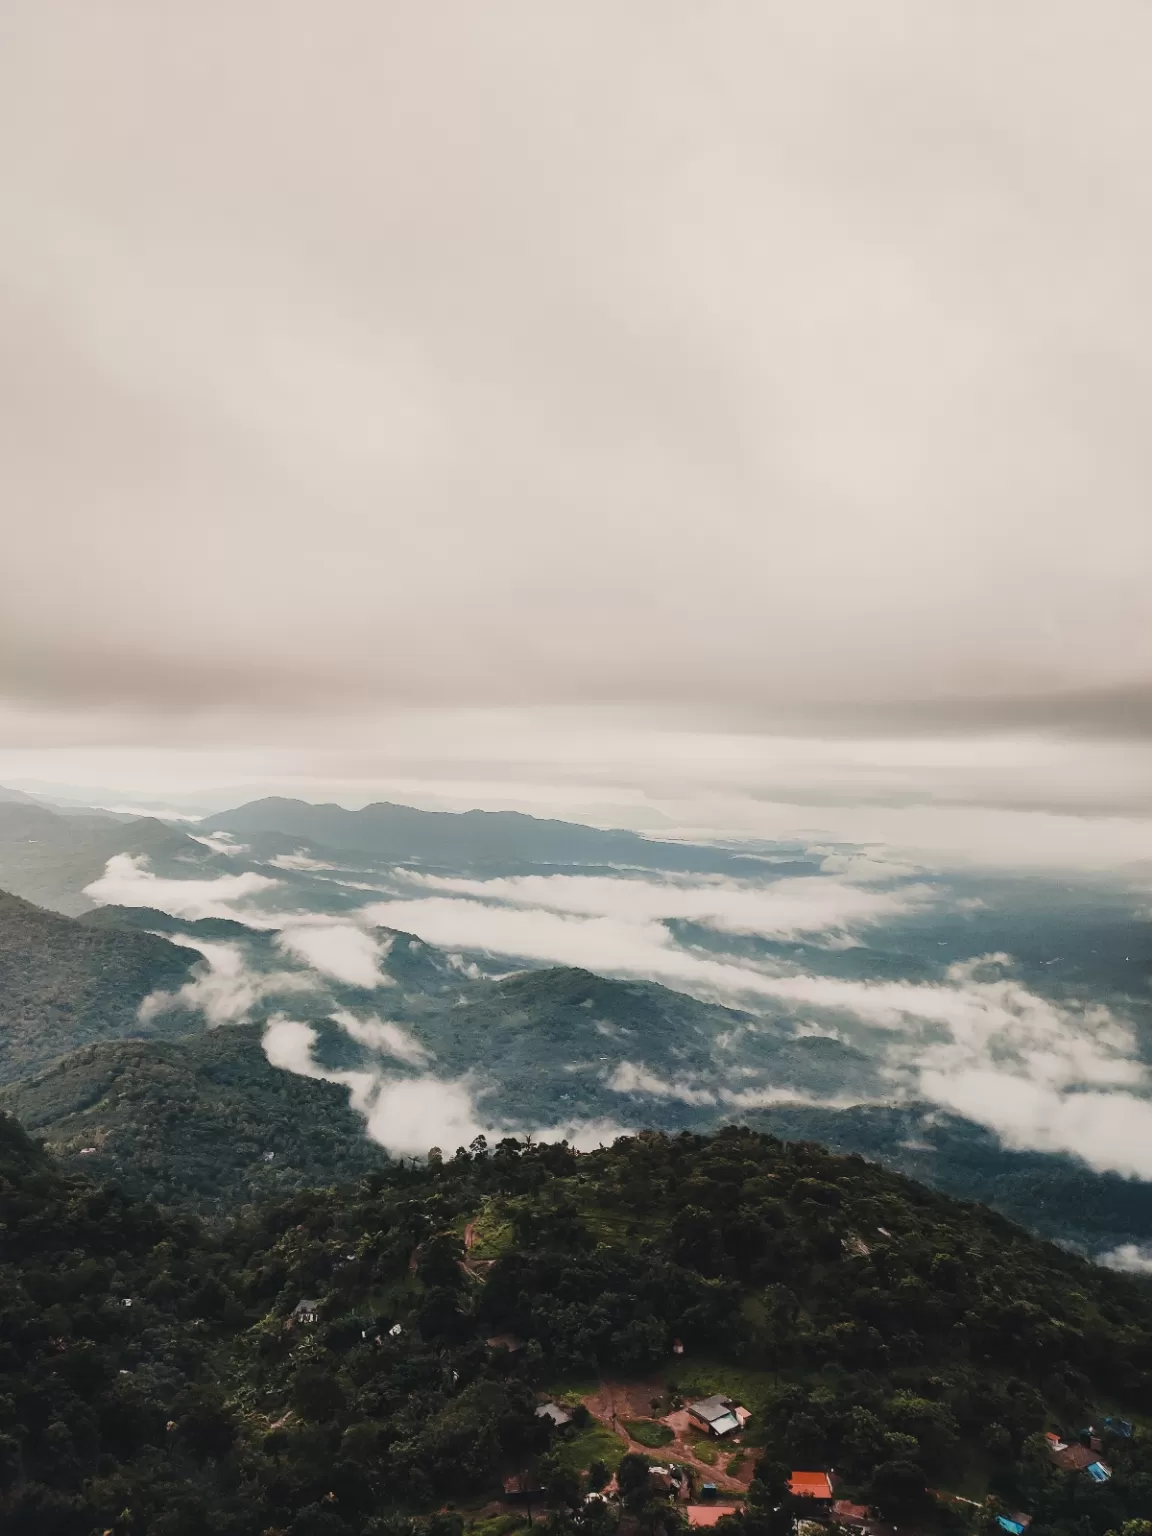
x=300 y=861
x=630 y=1078
x=128 y=881
x=382 y=1035
x=223 y=988
x=339 y=950
x=638 y=1079
x=603 y=944
x=409 y=1115
x=785 y=909
x=221 y=842
x=1131 y=1257
x=1111 y=1132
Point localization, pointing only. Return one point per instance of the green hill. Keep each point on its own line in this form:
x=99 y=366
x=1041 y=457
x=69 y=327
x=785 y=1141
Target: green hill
x=154 y=1383
x=204 y=1120
x=64 y=985
x=48 y=857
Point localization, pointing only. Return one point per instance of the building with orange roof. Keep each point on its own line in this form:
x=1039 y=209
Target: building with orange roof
x=709 y=1514
x=810 y=1485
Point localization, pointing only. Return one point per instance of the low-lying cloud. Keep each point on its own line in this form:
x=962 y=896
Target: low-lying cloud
x=785 y=909
x=340 y=950
x=1111 y=1132
x=129 y=881
x=1130 y=1257
x=223 y=986
x=382 y=1035
x=409 y=1115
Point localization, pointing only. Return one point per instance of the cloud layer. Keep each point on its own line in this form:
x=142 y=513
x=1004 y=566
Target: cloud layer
x=726 y=393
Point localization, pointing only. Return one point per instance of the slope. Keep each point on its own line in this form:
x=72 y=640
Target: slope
x=1056 y=1195
x=62 y=985
x=204 y=1120
x=163 y=1385
x=49 y=858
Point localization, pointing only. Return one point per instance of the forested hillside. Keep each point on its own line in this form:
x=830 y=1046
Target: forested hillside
x=156 y=1383
x=205 y=1121
x=63 y=984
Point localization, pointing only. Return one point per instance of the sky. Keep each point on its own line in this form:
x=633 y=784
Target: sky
x=724 y=418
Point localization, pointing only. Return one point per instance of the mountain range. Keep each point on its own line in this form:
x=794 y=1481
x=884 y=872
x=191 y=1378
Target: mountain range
x=560 y=1049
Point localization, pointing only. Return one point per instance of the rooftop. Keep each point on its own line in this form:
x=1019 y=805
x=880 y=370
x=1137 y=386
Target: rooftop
x=810 y=1485
x=708 y=1514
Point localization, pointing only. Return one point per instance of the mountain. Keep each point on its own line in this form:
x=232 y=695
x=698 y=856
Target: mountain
x=15 y=797
x=202 y=1121
x=320 y=1367
x=48 y=857
x=460 y=840
x=63 y=985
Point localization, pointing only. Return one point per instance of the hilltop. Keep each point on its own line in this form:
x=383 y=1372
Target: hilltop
x=865 y=1322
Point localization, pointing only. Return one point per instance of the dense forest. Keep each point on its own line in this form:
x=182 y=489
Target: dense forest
x=157 y=1378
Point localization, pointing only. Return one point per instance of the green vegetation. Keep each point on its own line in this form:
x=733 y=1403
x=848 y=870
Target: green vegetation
x=648 y=1432
x=153 y=1381
x=577 y=1452
x=63 y=984
x=204 y=1121
x=705 y=1451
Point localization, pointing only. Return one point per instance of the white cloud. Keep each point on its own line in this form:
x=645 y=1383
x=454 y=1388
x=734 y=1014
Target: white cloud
x=225 y=990
x=630 y=1078
x=128 y=881
x=220 y=842
x=300 y=861
x=1111 y=1132
x=1136 y=1260
x=339 y=950
x=382 y=1035
x=409 y=1115
x=605 y=944
x=784 y=909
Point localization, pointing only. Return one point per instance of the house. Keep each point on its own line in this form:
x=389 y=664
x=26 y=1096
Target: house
x=1015 y=1525
x=709 y=1514
x=1070 y=1458
x=560 y=1417
x=507 y=1341
x=677 y=1346
x=305 y=1312
x=811 y=1485
x=718 y=1415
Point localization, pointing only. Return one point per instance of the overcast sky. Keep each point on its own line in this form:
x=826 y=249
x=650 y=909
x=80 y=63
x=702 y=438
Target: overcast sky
x=738 y=367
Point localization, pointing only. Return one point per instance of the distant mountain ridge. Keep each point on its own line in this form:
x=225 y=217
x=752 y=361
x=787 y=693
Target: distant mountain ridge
x=458 y=839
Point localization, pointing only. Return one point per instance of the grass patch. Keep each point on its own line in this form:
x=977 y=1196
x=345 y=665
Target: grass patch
x=705 y=1451
x=576 y=1453
x=648 y=1432
x=496 y=1525
x=492 y=1233
x=702 y=1377
x=736 y=1464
